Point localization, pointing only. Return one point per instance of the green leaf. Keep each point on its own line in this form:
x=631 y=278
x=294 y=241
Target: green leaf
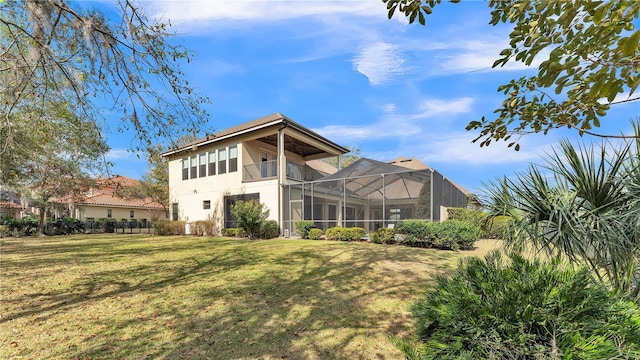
x=630 y=45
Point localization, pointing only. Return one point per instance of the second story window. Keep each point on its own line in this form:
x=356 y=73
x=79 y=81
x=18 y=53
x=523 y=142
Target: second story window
x=194 y=166
x=222 y=161
x=203 y=165
x=212 y=162
x=233 y=158
x=206 y=204
x=185 y=169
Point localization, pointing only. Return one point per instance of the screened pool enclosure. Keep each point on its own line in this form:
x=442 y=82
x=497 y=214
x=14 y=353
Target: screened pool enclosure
x=370 y=194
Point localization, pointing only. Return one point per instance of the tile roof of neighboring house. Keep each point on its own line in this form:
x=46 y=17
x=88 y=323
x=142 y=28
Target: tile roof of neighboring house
x=412 y=163
x=263 y=122
x=116 y=181
x=9 y=204
x=103 y=195
x=111 y=200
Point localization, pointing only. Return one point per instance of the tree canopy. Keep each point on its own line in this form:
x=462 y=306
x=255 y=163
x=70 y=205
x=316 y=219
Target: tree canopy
x=122 y=74
x=591 y=61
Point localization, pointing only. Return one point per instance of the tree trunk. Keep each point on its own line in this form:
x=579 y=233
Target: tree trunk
x=42 y=223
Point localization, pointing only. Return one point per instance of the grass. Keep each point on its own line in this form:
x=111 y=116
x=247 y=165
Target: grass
x=143 y=297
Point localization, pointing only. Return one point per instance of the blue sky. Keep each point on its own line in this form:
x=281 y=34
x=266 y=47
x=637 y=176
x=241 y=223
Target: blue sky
x=344 y=70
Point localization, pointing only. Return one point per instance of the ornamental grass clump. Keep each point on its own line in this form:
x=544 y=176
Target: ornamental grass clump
x=516 y=308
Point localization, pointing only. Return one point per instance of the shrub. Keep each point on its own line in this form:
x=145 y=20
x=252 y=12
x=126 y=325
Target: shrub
x=25 y=226
x=455 y=235
x=476 y=217
x=202 y=228
x=496 y=227
x=65 y=226
x=303 y=227
x=383 y=236
x=522 y=309
x=450 y=234
x=315 y=234
x=168 y=227
x=355 y=233
x=416 y=227
x=108 y=224
x=345 y=234
x=250 y=215
x=269 y=229
x=333 y=233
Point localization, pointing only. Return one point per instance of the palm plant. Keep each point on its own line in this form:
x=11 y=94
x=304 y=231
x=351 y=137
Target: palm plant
x=584 y=205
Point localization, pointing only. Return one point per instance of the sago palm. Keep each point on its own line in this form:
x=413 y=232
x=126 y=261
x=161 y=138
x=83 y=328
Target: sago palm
x=583 y=204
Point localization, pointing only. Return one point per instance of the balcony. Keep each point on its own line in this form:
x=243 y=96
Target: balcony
x=269 y=170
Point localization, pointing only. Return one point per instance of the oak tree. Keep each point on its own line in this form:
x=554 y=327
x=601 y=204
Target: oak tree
x=591 y=62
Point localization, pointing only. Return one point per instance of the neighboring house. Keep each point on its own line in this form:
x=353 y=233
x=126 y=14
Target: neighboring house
x=104 y=201
x=10 y=203
x=10 y=208
x=275 y=160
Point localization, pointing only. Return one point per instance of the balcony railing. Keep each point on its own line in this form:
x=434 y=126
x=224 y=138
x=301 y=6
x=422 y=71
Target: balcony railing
x=261 y=170
x=269 y=170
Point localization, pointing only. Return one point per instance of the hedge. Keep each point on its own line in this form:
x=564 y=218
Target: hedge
x=269 y=229
x=303 y=227
x=315 y=234
x=202 y=228
x=345 y=234
x=383 y=236
x=450 y=234
x=169 y=227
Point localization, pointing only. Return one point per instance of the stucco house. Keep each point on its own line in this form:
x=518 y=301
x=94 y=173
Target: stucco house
x=276 y=161
x=103 y=200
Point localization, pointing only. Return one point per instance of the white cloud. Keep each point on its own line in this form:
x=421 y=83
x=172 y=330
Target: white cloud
x=198 y=13
x=120 y=154
x=457 y=147
x=394 y=125
x=478 y=55
x=379 y=62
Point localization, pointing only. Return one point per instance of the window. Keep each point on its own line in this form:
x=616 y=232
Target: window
x=290 y=169
x=229 y=201
x=109 y=213
x=203 y=165
x=212 y=162
x=263 y=164
x=222 y=161
x=194 y=166
x=233 y=158
x=206 y=204
x=131 y=214
x=268 y=164
x=174 y=211
x=185 y=169
x=274 y=166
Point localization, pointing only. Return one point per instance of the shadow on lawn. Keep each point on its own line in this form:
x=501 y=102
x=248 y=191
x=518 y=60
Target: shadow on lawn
x=306 y=304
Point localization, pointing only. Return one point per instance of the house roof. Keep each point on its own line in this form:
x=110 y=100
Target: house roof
x=321 y=166
x=111 y=200
x=117 y=181
x=105 y=194
x=414 y=163
x=291 y=144
x=10 y=205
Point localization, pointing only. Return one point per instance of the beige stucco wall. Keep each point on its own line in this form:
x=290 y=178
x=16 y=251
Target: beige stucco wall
x=190 y=194
x=117 y=213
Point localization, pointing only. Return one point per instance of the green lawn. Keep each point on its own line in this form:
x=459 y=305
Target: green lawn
x=145 y=297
